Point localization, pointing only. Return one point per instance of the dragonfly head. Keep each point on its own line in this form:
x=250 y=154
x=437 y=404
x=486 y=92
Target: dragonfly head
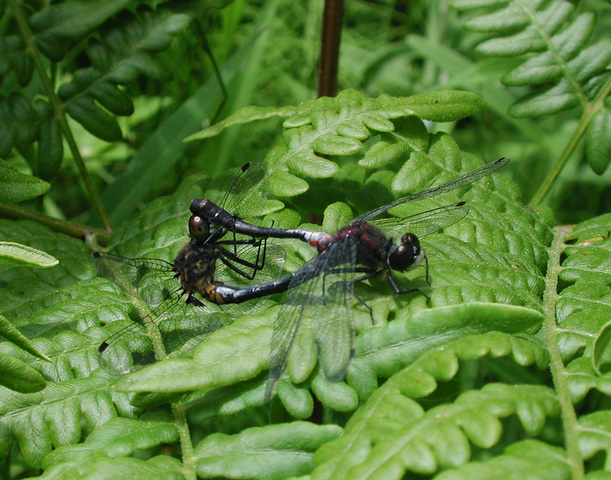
x=199 y=229
x=407 y=254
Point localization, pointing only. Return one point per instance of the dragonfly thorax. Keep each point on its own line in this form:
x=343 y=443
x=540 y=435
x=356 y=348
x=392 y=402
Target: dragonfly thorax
x=372 y=246
x=194 y=266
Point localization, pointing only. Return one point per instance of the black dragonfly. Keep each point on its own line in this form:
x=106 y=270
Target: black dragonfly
x=319 y=291
x=164 y=294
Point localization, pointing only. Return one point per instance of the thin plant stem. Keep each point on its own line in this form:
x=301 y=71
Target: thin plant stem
x=59 y=110
x=590 y=110
x=560 y=376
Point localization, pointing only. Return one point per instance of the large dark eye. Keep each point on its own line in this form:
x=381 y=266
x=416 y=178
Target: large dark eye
x=199 y=229
x=407 y=254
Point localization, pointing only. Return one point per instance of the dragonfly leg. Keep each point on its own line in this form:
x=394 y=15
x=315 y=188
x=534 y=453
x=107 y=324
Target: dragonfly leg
x=258 y=264
x=398 y=291
x=351 y=284
x=193 y=300
x=239 y=271
x=426 y=269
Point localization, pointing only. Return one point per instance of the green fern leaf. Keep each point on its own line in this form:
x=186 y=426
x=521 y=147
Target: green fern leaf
x=594 y=434
x=244 y=115
x=103 y=453
x=58 y=26
x=562 y=67
x=598 y=141
x=584 y=307
x=23 y=123
x=227 y=357
x=19 y=376
x=17 y=187
x=340 y=125
x=381 y=352
x=528 y=458
x=19 y=122
x=275 y=451
x=391 y=433
x=52 y=417
x=14 y=58
x=125 y=50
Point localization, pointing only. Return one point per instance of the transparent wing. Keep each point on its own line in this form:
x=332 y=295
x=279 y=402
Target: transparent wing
x=246 y=197
x=271 y=260
x=333 y=329
x=425 y=223
x=166 y=327
x=265 y=263
x=317 y=294
x=457 y=182
x=247 y=193
x=128 y=273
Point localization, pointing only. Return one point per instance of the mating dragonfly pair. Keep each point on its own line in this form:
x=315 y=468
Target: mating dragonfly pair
x=318 y=292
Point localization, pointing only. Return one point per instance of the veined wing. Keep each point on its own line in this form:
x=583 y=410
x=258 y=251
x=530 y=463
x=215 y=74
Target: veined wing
x=425 y=223
x=126 y=272
x=168 y=326
x=273 y=262
x=318 y=295
x=247 y=193
x=246 y=197
x=269 y=260
x=457 y=182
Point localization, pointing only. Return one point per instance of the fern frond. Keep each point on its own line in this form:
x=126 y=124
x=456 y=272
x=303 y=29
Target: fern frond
x=392 y=433
x=125 y=49
x=584 y=307
x=562 y=64
x=18 y=375
x=528 y=458
x=339 y=126
x=59 y=27
x=52 y=417
x=16 y=186
x=24 y=124
x=13 y=58
x=594 y=434
x=225 y=358
x=105 y=451
x=274 y=451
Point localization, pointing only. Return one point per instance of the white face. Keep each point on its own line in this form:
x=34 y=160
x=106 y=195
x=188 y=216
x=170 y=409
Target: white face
x=418 y=261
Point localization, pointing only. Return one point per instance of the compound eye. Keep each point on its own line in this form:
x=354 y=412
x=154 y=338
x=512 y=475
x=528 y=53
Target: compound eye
x=408 y=253
x=199 y=229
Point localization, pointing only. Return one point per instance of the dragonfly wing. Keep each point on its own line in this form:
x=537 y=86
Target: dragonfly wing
x=128 y=273
x=265 y=263
x=317 y=295
x=168 y=326
x=425 y=223
x=457 y=182
x=333 y=330
x=247 y=193
x=288 y=321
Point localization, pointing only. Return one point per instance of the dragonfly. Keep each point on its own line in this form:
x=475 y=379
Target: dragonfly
x=319 y=291
x=165 y=294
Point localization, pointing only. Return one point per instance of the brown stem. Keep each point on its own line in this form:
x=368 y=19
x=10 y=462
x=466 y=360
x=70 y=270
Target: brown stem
x=63 y=226
x=333 y=17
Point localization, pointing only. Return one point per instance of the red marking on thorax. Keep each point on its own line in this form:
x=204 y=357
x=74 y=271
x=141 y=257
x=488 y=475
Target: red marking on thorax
x=365 y=237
